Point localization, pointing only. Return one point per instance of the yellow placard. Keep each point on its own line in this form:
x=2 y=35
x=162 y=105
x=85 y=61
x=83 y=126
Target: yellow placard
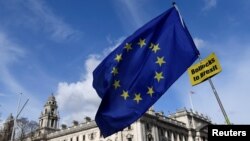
x=204 y=69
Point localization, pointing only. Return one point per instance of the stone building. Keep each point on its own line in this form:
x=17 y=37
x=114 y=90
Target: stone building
x=184 y=125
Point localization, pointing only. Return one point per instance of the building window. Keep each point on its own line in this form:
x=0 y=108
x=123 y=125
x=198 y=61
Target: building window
x=52 y=111
x=148 y=127
x=77 y=139
x=52 y=123
x=161 y=132
x=181 y=137
x=129 y=139
x=190 y=122
x=71 y=139
x=92 y=136
x=41 y=123
x=175 y=136
x=83 y=137
x=186 y=138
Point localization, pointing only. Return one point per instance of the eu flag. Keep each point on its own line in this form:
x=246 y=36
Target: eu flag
x=139 y=71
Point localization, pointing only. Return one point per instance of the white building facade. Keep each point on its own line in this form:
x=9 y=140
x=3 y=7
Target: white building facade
x=184 y=125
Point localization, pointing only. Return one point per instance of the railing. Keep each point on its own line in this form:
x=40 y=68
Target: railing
x=73 y=129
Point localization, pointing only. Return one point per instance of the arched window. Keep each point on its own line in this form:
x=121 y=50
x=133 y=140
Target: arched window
x=52 y=122
x=83 y=137
x=77 y=138
x=92 y=136
x=41 y=123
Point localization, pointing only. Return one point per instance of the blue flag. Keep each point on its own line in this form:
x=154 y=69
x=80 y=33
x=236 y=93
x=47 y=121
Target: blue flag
x=139 y=71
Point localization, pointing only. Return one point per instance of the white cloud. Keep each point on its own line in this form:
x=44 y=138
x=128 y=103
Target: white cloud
x=210 y=4
x=79 y=99
x=199 y=42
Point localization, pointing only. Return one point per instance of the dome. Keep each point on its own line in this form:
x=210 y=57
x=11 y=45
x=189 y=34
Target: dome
x=52 y=97
x=51 y=101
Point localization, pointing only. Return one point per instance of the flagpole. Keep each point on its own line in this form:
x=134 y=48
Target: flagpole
x=218 y=99
x=192 y=107
x=176 y=7
x=191 y=102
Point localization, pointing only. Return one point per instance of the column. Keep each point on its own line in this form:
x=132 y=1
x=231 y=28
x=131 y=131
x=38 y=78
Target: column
x=172 y=136
x=190 y=136
x=155 y=133
x=198 y=136
x=166 y=134
x=183 y=138
x=144 y=134
x=138 y=129
x=119 y=136
x=177 y=137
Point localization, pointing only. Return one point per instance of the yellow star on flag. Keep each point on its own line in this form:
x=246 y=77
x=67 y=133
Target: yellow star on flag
x=137 y=98
x=128 y=47
x=160 y=60
x=142 y=43
x=114 y=71
x=117 y=84
x=156 y=48
x=125 y=94
x=158 y=76
x=118 y=57
x=150 y=91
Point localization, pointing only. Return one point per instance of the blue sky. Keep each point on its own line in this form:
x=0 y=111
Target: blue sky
x=52 y=46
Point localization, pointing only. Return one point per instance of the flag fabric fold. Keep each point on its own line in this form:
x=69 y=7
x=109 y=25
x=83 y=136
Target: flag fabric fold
x=140 y=70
